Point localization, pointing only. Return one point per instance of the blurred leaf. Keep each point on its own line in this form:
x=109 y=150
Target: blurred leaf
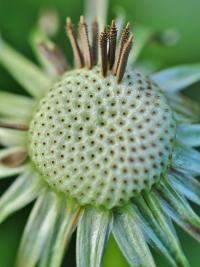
x=16 y=106
x=92 y=235
x=186 y=185
x=177 y=78
x=65 y=223
x=39 y=225
x=189 y=134
x=96 y=8
x=179 y=210
x=10 y=137
x=130 y=239
x=186 y=159
x=8 y=171
x=23 y=70
x=22 y=191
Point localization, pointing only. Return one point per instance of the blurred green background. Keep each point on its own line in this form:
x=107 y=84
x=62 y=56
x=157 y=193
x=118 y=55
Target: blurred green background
x=17 y=18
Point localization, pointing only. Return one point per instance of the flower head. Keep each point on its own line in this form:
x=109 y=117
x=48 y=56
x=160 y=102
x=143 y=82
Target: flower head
x=103 y=148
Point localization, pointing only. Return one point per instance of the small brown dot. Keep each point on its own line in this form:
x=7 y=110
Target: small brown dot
x=131 y=159
x=114 y=166
x=148 y=94
x=135 y=171
x=141 y=159
x=125 y=170
x=151 y=156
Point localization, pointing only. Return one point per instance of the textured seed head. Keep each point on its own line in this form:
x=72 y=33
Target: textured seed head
x=101 y=142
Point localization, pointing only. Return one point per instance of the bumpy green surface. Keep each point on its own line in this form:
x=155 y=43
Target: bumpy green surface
x=101 y=142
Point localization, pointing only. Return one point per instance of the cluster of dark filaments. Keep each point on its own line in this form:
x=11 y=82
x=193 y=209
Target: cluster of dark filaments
x=104 y=44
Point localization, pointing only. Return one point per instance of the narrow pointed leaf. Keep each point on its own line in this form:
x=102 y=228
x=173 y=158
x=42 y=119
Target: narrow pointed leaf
x=14 y=120
x=184 y=106
x=168 y=235
x=24 y=190
x=189 y=134
x=182 y=118
x=64 y=227
x=92 y=235
x=10 y=138
x=16 y=106
x=150 y=227
x=40 y=224
x=130 y=239
x=186 y=159
x=161 y=237
x=6 y=172
x=24 y=71
x=177 y=78
x=179 y=210
x=186 y=185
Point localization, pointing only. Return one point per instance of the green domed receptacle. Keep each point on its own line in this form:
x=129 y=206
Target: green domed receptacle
x=101 y=142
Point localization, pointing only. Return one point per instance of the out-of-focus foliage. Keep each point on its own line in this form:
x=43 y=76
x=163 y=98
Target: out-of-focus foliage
x=181 y=16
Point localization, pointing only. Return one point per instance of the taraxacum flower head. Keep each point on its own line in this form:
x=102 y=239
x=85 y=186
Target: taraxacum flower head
x=101 y=147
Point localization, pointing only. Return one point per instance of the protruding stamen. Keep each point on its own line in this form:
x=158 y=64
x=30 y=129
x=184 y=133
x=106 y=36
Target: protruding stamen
x=103 y=49
x=95 y=29
x=124 y=59
x=88 y=55
x=14 y=159
x=123 y=40
x=74 y=43
x=112 y=44
x=20 y=127
x=83 y=32
x=55 y=56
